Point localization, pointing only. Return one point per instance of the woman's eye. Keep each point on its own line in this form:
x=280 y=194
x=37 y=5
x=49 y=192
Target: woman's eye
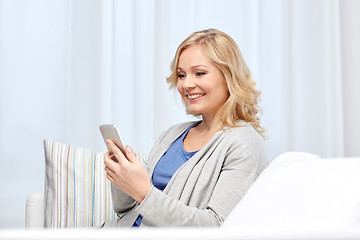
x=199 y=74
x=181 y=76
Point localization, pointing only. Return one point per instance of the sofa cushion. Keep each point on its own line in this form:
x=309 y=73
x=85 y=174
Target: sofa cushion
x=304 y=191
x=77 y=193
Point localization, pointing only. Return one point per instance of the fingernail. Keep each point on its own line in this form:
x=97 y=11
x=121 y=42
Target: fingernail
x=129 y=150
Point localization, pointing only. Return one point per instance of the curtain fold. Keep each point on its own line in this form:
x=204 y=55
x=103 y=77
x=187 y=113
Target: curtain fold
x=314 y=84
x=350 y=61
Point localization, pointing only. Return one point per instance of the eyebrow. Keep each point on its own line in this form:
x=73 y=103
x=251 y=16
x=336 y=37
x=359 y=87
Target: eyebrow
x=196 y=66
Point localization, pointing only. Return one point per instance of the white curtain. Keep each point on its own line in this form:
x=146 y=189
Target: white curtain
x=68 y=66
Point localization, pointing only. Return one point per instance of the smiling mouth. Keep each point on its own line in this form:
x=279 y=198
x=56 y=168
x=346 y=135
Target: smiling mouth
x=195 y=96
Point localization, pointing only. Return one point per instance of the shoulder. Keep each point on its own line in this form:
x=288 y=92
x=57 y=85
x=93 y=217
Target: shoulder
x=244 y=144
x=244 y=133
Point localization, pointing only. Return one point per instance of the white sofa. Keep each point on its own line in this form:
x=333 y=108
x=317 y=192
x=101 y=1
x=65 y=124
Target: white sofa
x=298 y=196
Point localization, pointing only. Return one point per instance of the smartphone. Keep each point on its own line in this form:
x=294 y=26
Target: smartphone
x=112 y=132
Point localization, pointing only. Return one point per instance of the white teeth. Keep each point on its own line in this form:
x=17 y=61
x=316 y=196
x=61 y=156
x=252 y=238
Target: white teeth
x=195 y=96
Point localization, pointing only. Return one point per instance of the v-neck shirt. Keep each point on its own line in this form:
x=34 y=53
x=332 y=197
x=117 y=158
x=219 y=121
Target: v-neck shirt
x=168 y=164
x=171 y=161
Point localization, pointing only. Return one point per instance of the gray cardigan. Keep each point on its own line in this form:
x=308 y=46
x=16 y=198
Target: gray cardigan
x=205 y=189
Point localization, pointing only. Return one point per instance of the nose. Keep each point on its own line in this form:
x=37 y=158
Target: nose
x=189 y=83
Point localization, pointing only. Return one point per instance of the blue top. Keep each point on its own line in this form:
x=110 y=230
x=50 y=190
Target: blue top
x=171 y=161
x=168 y=164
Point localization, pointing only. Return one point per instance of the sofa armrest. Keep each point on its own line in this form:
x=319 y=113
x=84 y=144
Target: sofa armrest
x=35 y=211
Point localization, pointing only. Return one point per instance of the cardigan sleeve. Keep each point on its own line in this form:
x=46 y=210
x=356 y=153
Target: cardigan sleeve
x=122 y=202
x=158 y=209
x=242 y=159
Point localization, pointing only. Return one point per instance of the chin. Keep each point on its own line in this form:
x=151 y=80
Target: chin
x=193 y=112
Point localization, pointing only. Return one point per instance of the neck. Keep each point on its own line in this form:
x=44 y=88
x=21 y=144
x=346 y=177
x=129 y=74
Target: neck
x=210 y=123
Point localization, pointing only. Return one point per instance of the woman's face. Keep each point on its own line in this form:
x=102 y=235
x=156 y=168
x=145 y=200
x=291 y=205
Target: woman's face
x=200 y=83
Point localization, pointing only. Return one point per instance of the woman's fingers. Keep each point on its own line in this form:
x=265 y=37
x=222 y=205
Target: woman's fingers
x=110 y=178
x=109 y=171
x=116 y=152
x=110 y=165
x=131 y=155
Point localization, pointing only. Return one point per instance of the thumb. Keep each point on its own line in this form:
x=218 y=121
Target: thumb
x=130 y=154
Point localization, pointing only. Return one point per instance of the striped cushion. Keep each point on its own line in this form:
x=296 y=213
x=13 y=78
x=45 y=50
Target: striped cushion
x=77 y=193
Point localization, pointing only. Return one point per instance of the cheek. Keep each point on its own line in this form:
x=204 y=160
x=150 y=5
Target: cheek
x=179 y=88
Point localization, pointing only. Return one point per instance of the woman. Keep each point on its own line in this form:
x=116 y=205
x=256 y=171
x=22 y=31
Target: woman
x=197 y=171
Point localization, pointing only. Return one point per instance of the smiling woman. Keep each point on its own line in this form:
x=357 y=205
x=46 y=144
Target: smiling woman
x=197 y=171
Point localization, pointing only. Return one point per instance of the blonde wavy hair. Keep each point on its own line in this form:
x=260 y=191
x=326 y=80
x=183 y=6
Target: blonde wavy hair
x=222 y=50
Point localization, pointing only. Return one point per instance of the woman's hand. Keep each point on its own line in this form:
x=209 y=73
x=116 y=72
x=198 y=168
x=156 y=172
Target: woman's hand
x=127 y=173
